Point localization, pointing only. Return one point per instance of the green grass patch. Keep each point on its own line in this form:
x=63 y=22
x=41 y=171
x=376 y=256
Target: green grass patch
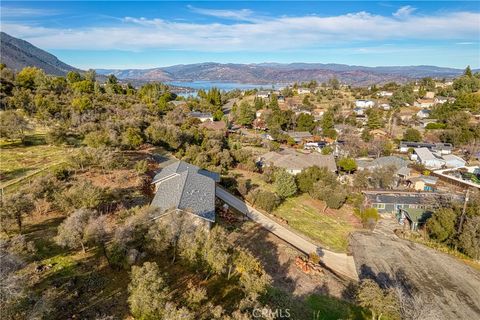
x=330 y=308
x=327 y=230
x=19 y=161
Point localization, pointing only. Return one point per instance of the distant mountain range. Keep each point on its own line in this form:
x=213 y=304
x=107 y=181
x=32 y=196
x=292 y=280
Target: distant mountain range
x=267 y=73
x=17 y=54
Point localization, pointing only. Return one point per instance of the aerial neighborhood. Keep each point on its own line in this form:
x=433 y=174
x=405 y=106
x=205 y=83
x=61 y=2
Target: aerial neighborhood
x=237 y=191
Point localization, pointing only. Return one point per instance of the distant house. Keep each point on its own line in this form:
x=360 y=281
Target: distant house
x=219 y=126
x=442 y=100
x=263 y=94
x=184 y=188
x=453 y=161
x=294 y=162
x=201 y=116
x=423 y=183
x=401 y=165
x=442 y=148
x=299 y=136
x=427 y=158
x=303 y=91
x=385 y=106
x=385 y=94
x=424 y=103
x=318 y=146
x=359 y=111
x=422 y=114
x=364 y=103
x=178 y=103
x=413 y=217
x=387 y=203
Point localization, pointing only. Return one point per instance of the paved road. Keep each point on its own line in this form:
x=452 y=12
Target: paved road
x=338 y=262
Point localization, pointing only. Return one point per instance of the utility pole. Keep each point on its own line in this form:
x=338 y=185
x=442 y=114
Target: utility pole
x=462 y=217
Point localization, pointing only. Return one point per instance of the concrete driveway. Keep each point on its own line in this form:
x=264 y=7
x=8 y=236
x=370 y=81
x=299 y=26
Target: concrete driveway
x=338 y=262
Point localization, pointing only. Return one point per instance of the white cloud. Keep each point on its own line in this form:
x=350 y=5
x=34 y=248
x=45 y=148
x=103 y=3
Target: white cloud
x=241 y=15
x=404 y=11
x=281 y=33
x=18 y=12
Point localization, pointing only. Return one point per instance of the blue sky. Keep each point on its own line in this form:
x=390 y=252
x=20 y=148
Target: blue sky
x=121 y=34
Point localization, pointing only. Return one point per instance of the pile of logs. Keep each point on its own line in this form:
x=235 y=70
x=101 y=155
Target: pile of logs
x=307 y=266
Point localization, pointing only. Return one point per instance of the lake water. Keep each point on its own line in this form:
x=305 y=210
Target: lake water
x=227 y=86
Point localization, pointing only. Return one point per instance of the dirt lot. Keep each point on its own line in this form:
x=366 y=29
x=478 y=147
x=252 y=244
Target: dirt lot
x=452 y=287
x=278 y=258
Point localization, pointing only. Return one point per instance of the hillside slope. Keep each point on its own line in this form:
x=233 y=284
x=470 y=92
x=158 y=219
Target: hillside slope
x=17 y=54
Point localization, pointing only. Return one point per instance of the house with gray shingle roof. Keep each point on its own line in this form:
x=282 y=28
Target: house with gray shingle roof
x=184 y=188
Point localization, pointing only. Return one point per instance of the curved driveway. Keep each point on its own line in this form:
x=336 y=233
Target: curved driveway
x=337 y=262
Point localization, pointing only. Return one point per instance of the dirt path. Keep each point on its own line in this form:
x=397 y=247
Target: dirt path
x=451 y=286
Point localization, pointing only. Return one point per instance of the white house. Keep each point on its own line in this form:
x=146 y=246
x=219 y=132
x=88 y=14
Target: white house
x=385 y=106
x=385 y=94
x=427 y=158
x=422 y=114
x=303 y=91
x=263 y=94
x=453 y=161
x=364 y=103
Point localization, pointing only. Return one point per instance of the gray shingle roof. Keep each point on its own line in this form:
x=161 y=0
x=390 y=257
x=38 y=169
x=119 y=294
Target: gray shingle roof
x=186 y=187
x=299 y=161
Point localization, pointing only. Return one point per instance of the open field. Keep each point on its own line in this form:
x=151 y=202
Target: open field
x=329 y=228
x=19 y=161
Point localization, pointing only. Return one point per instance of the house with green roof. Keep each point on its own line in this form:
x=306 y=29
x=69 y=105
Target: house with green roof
x=413 y=217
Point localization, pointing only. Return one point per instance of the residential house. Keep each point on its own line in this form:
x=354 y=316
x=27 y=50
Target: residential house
x=424 y=113
x=300 y=136
x=201 y=116
x=317 y=146
x=178 y=103
x=424 y=103
x=182 y=188
x=385 y=106
x=401 y=165
x=359 y=111
x=294 y=162
x=219 y=126
x=453 y=161
x=441 y=148
x=392 y=202
x=263 y=94
x=464 y=177
x=303 y=91
x=423 y=183
x=385 y=94
x=414 y=218
x=427 y=158
x=364 y=103
x=442 y=100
